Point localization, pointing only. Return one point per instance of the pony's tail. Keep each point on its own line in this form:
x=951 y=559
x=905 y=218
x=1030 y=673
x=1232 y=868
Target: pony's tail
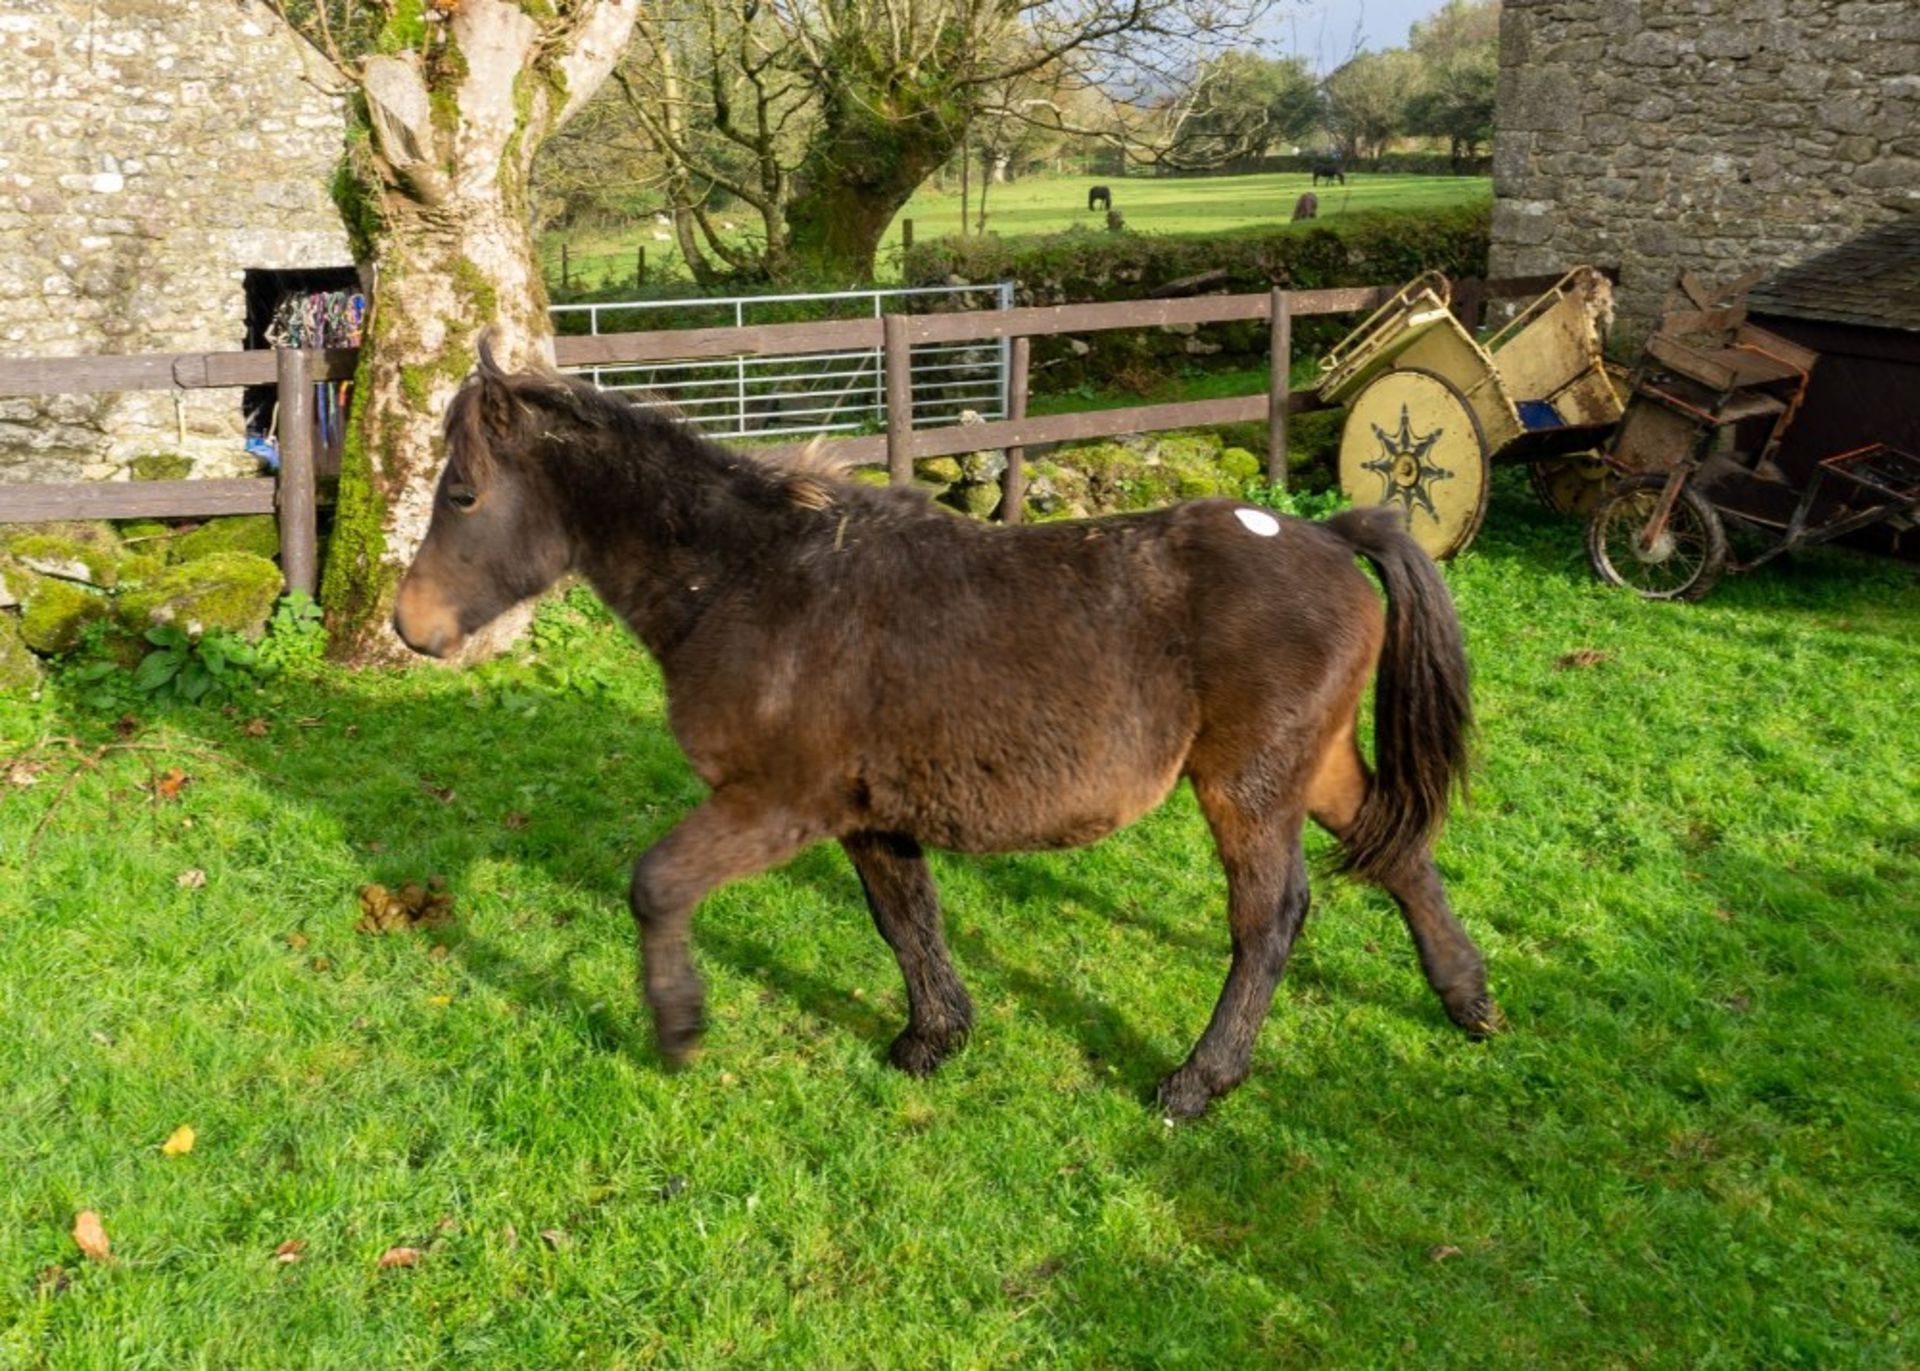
x=1422 y=713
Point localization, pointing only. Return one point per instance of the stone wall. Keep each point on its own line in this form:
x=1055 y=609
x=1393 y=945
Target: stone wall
x=151 y=151
x=1715 y=135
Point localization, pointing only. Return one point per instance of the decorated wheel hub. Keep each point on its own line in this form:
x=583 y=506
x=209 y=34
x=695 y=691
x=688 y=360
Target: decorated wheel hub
x=1411 y=442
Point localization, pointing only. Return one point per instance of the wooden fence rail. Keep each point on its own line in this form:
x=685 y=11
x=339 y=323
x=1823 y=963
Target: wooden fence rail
x=294 y=494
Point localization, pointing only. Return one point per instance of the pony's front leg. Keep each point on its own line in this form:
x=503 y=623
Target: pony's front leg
x=906 y=909
x=734 y=833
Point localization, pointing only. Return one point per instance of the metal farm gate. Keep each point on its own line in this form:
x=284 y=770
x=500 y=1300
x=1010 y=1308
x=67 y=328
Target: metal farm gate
x=817 y=392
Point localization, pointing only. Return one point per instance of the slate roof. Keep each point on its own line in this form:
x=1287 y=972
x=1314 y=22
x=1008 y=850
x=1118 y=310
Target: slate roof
x=1873 y=279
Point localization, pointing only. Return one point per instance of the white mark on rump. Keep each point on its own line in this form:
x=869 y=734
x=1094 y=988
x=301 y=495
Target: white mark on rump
x=1258 y=521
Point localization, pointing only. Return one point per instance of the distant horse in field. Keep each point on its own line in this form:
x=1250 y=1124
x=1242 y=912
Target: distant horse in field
x=1306 y=207
x=1330 y=171
x=1099 y=197
x=847 y=663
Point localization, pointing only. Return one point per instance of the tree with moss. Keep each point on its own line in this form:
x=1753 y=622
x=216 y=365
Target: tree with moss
x=822 y=117
x=450 y=100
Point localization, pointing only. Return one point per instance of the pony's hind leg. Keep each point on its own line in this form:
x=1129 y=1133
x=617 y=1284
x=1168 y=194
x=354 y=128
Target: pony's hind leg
x=1451 y=963
x=906 y=909
x=733 y=833
x=1267 y=901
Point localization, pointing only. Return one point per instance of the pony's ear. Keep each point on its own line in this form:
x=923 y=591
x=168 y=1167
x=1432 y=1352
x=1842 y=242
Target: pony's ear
x=498 y=401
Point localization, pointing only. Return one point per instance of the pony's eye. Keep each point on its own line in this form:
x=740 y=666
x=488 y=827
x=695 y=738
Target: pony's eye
x=461 y=497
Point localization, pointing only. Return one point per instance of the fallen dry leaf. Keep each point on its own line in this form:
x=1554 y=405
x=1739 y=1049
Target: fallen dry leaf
x=256 y=728
x=439 y=1001
x=438 y=952
x=290 y=1251
x=192 y=879
x=400 y=1256
x=169 y=786
x=515 y=820
x=90 y=1237
x=412 y=906
x=1582 y=657
x=179 y=1142
x=25 y=773
x=443 y=793
x=296 y=941
x=52 y=1279
x=353 y=730
x=322 y=964
x=126 y=725
x=555 y=1238
x=1441 y=1252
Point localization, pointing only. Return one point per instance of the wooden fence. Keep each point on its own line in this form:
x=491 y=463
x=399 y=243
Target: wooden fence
x=294 y=494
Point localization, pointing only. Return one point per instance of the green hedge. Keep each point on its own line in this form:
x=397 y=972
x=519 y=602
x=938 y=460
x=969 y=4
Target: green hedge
x=1082 y=266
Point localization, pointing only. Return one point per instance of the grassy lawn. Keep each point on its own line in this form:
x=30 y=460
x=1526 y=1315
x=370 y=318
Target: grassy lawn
x=1694 y=864
x=1049 y=204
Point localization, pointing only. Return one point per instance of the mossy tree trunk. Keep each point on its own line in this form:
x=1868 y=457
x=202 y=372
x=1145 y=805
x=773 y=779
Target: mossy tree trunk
x=450 y=115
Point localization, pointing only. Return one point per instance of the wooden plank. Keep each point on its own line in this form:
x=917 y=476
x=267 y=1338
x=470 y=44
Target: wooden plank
x=1097 y=423
x=1041 y=321
x=865 y=451
x=24 y=376
x=687 y=344
x=299 y=534
x=1279 y=383
x=1013 y=484
x=898 y=361
x=38 y=503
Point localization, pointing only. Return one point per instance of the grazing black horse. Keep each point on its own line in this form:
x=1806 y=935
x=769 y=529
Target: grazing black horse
x=1099 y=197
x=852 y=664
x=1331 y=170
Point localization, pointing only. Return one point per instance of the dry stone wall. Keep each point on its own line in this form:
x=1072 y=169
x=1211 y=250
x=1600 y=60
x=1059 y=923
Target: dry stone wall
x=151 y=151
x=1715 y=135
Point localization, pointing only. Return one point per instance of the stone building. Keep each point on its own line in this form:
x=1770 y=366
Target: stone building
x=164 y=173
x=1713 y=135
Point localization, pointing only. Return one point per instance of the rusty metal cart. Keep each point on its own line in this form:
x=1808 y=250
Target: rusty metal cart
x=1430 y=407
x=1714 y=397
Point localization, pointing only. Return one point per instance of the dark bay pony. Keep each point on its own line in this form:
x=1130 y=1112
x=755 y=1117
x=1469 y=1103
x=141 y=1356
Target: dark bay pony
x=849 y=663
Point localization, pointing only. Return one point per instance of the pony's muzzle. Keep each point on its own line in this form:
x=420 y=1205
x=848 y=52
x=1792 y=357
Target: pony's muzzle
x=425 y=623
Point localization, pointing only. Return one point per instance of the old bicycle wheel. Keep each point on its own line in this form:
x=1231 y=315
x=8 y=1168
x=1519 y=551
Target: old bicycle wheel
x=1683 y=563
x=1412 y=442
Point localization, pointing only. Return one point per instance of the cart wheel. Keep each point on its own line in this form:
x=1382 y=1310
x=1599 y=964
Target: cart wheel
x=1683 y=564
x=1570 y=485
x=1412 y=441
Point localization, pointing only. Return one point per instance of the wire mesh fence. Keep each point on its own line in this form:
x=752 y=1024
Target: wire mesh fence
x=819 y=392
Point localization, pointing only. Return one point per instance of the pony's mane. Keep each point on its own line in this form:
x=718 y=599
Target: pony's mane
x=811 y=478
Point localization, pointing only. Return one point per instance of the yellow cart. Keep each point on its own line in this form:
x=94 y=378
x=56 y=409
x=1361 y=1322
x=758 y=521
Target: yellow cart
x=1430 y=407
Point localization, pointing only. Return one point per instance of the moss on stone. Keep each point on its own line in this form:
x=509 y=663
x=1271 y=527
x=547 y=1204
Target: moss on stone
x=231 y=590
x=93 y=560
x=405 y=29
x=869 y=476
x=1240 y=464
x=939 y=471
x=20 y=670
x=255 y=533
x=140 y=568
x=161 y=466
x=53 y=613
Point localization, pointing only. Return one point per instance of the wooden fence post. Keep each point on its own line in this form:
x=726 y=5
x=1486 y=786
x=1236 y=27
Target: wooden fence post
x=906 y=235
x=1468 y=299
x=1279 y=385
x=898 y=355
x=1013 y=484
x=565 y=266
x=294 y=496
x=640 y=265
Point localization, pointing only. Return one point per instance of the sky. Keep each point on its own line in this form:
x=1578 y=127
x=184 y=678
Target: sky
x=1324 y=31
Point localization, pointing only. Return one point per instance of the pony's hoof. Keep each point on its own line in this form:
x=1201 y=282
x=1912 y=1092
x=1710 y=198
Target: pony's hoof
x=677 y=1036
x=1480 y=1017
x=917 y=1055
x=1183 y=1095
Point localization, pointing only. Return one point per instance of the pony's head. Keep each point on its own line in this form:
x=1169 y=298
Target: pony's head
x=495 y=537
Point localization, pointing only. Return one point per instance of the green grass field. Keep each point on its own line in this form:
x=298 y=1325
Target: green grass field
x=1693 y=862
x=1050 y=204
